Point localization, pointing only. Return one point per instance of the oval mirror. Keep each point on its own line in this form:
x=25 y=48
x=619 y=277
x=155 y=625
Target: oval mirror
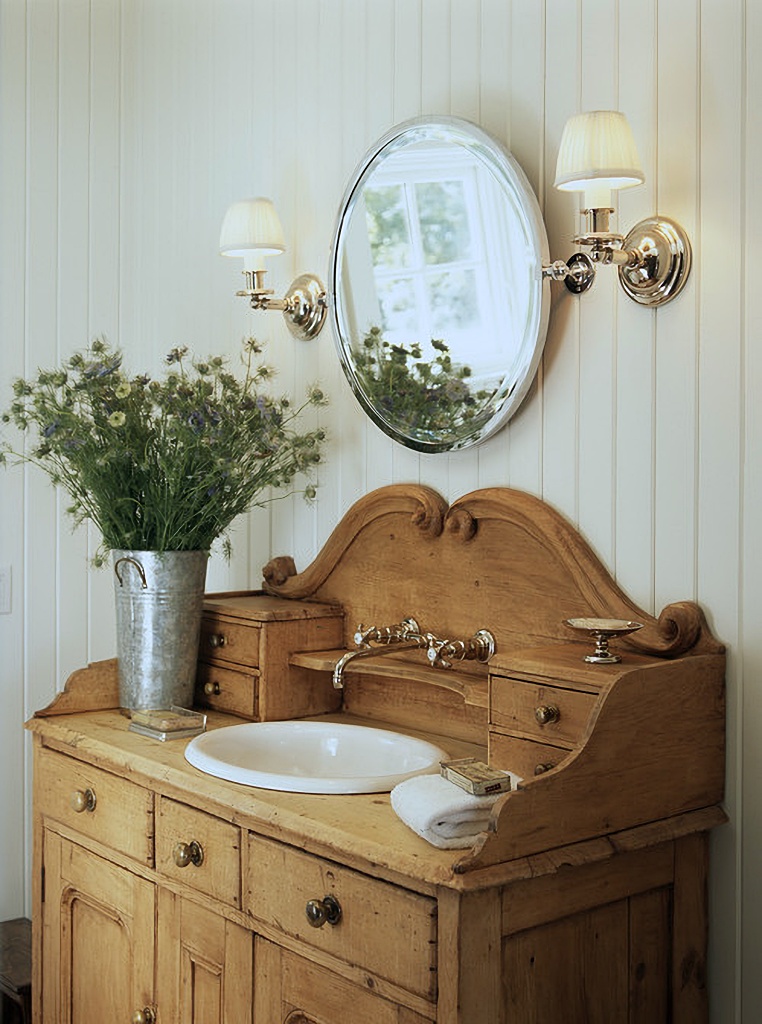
x=437 y=293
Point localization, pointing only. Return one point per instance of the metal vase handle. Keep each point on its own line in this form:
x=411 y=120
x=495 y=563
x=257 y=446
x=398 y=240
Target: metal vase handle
x=138 y=566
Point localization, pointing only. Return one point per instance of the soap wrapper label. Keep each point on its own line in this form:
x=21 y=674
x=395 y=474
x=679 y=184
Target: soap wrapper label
x=475 y=776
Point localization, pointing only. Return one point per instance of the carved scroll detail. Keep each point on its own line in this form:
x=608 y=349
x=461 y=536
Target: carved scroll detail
x=278 y=570
x=425 y=507
x=680 y=627
x=461 y=523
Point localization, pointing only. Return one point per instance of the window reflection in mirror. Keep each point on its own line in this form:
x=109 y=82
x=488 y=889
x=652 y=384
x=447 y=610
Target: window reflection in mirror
x=438 y=296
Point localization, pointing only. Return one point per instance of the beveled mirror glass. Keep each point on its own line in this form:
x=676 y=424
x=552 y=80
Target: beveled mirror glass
x=436 y=287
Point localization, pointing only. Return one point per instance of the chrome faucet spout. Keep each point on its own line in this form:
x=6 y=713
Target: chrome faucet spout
x=376 y=641
x=367 y=652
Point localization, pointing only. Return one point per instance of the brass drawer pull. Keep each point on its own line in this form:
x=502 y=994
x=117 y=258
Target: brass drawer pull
x=542 y=767
x=212 y=689
x=144 y=1016
x=547 y=714
x=325 y=911
x=217 y=640
x=188 y=853
x=82 y=800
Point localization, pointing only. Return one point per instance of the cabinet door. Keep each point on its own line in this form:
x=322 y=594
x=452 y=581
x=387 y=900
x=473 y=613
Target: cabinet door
x=289 y=989
x=204 y=965
x=98 y=938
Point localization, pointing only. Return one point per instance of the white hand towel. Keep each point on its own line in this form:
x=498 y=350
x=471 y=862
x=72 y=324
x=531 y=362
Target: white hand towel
x=442 y=813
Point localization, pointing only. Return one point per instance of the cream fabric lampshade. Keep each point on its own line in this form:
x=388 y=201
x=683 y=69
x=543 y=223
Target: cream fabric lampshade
x=597 y=154
x=251 y=230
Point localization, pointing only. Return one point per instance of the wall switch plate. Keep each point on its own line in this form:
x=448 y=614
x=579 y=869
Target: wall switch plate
x=5 y=590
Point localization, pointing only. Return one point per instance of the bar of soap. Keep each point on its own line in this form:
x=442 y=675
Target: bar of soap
x=475 y=776
x=163 y=719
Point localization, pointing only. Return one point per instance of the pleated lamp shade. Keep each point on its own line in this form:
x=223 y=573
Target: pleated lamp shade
x=597 y=155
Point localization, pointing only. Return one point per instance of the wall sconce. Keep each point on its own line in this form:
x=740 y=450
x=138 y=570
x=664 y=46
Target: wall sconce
x=597 y=155
x=252 y=230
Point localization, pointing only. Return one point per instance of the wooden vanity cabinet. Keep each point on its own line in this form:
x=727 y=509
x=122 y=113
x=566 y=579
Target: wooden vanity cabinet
x=162 y=891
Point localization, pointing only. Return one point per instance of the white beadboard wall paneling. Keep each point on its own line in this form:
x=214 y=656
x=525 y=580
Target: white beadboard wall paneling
x=313 y=225
x=102 y=228
x=494 y=116
x=73 y=301
x=633 y=559
x=437 y=52
x=561 y=361
x=676 y=344
x=14 y=794
x=749 y=698
x=598 y=307
x=466 y=61
x=289 y=161
x=407 y=96
x=350 y=428
x=378 y=90
x=719 y=494
x=334 y=165
x=522 y=96
x=42 y=240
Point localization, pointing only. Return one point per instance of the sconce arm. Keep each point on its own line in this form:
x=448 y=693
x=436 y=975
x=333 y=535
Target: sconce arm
x=304 y=306
x=577 y=273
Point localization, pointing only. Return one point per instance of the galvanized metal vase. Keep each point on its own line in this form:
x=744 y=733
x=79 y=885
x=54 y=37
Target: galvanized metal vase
x=159 y=599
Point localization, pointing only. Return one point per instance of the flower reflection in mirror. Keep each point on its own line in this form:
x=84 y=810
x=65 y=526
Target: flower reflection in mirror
x=429 y=396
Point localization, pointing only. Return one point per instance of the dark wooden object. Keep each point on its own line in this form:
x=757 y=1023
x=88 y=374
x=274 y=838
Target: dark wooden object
x=16 y=971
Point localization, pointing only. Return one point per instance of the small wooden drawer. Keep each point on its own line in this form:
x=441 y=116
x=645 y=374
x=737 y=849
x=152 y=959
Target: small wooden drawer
x=552 y=714
x=524 y=757
x=226 y=689
x=228 y=641
x=383 y=928
x=199 y=850
x=100 y=806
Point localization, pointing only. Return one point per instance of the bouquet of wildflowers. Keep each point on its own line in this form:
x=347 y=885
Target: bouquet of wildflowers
x=162 y=465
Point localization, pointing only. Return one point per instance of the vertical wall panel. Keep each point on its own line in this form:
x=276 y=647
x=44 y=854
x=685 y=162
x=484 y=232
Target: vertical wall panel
x=561 y=359
x=73 y=297
x=597 y=308
x=635 y=326
x=675 y=455
x=750 y=640
x=719 y=387
x=526 y=92
x=13 y=795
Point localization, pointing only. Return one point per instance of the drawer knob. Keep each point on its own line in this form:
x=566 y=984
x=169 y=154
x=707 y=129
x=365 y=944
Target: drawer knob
x=217 y=640
x=188 y=853
x=542 y=767
x=82 y=800
x=212 y=689
x=144 y=1016
x=546 y=714
x=325 y=911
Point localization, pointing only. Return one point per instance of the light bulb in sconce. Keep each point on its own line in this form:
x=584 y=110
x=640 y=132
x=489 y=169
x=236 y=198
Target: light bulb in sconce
x=251 y=230
x=598 y=156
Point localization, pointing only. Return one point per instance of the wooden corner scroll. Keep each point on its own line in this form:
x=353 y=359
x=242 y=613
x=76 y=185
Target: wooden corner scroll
x=497 y=558
x=95 y=688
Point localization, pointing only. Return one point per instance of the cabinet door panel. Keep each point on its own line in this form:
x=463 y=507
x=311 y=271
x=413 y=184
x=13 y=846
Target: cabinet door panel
x=289 y=989
x=98 y=945
x=575 y=969
x=204 y=965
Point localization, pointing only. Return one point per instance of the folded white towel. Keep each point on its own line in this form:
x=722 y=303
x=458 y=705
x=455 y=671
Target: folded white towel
x=442 y=813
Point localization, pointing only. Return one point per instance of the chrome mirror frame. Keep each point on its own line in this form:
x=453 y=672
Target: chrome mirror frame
x=514 y=185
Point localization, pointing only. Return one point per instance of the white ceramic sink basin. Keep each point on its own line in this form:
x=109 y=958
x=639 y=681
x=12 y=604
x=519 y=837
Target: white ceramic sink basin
x=312 y=757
